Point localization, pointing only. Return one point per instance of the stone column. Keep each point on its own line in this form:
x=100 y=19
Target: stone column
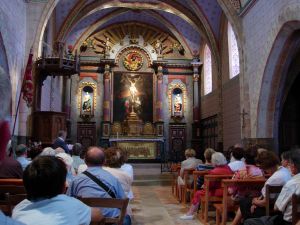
x=196 y=105
x=159 y=96
x=106 y=101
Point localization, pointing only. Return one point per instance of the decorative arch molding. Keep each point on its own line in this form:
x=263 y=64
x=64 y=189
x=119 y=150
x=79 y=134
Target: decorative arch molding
x=272 y=95
x=131 y=48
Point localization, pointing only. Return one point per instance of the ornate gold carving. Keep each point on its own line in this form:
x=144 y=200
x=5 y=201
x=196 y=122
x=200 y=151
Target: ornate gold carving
x=139 y=150
x=116 y=128
x=148 y=129
x=133 y=61
x=134 y=48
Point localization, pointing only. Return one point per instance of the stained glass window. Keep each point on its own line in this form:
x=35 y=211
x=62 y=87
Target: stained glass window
x=234 y=63
x=207 y=70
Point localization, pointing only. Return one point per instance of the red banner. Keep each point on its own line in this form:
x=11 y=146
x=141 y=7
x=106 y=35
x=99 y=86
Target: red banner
x=27 y=87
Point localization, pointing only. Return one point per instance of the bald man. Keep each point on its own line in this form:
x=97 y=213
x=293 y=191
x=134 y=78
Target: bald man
x=84 y=186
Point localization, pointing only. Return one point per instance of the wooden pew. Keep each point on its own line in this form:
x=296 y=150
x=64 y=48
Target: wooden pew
x=13 y=200
x=11 y=181
x=109 y=203
x=5 y=189
x=206 y=199
x=272 y=193
x=187 y=187
x=295 y=209
x=196 y=175
x=223 y=208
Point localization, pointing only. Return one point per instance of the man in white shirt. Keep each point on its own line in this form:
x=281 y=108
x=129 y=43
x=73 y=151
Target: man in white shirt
x=284 y=200
x=45 y=182
x=236 y=162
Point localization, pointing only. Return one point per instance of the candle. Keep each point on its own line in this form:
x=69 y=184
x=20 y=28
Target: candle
x=117 y=135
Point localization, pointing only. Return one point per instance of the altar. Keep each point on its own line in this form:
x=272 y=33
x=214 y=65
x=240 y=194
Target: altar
x=140 y=148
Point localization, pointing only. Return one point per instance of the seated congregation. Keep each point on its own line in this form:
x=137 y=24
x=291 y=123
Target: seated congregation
x=70 y=186
x=250 y=186
x=60 y=187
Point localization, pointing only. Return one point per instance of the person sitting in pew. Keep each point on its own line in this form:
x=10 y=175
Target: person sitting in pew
x=284 y=200
x=206 y=166
x=45 y=182
x=250 y=170
x=255 y=207
x=219 y=161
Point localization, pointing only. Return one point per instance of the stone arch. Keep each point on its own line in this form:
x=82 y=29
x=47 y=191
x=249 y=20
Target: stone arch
x=37 y=43
x=271 y=95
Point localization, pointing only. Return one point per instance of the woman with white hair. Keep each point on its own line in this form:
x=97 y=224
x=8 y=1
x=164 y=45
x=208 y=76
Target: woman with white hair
x=219 y=161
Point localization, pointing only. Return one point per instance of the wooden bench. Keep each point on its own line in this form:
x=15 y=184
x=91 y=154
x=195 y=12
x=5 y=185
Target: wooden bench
x=11 y=181
x=223 y=208
x=187 y=186
x=272 y=193
x=5 y=205
x=13 y=200
x=196 y=175
x=207 y=199
x=295 y=209
x=109 y=203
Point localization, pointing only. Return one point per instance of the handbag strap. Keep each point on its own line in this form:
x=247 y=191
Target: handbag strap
x=100 y=183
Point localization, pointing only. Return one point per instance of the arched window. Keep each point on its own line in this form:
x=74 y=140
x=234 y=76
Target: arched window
x=207 y=70
x=234 y=63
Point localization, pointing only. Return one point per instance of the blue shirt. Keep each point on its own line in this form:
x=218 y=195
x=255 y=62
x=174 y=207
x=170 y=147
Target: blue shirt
x=23 y=161
x=201 y=167
x=6 y=220
x=83 y=186
x=59 y=210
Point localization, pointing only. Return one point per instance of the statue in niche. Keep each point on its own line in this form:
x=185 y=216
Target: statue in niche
x=177 y=103
x=158 y=47
x=87 y=103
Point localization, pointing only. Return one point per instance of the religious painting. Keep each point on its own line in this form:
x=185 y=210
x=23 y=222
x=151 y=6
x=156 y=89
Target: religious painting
x=177 y=106
x=87 y=99
x=133 y=61
x=133 y=95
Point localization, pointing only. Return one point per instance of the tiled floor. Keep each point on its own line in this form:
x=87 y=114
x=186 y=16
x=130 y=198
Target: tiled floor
x=154 y=203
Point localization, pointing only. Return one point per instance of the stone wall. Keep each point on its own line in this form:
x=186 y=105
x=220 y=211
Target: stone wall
x=261 y=26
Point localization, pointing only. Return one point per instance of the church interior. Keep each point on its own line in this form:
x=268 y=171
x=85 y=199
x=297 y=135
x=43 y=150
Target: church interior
x=153 y=77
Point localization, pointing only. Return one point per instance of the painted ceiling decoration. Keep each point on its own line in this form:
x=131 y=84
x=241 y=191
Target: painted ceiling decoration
x=133 y=33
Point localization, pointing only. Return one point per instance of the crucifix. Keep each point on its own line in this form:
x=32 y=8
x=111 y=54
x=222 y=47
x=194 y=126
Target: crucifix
x=243 y=114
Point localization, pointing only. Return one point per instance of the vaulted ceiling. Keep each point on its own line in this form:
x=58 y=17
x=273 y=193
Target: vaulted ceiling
x=190 y=21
